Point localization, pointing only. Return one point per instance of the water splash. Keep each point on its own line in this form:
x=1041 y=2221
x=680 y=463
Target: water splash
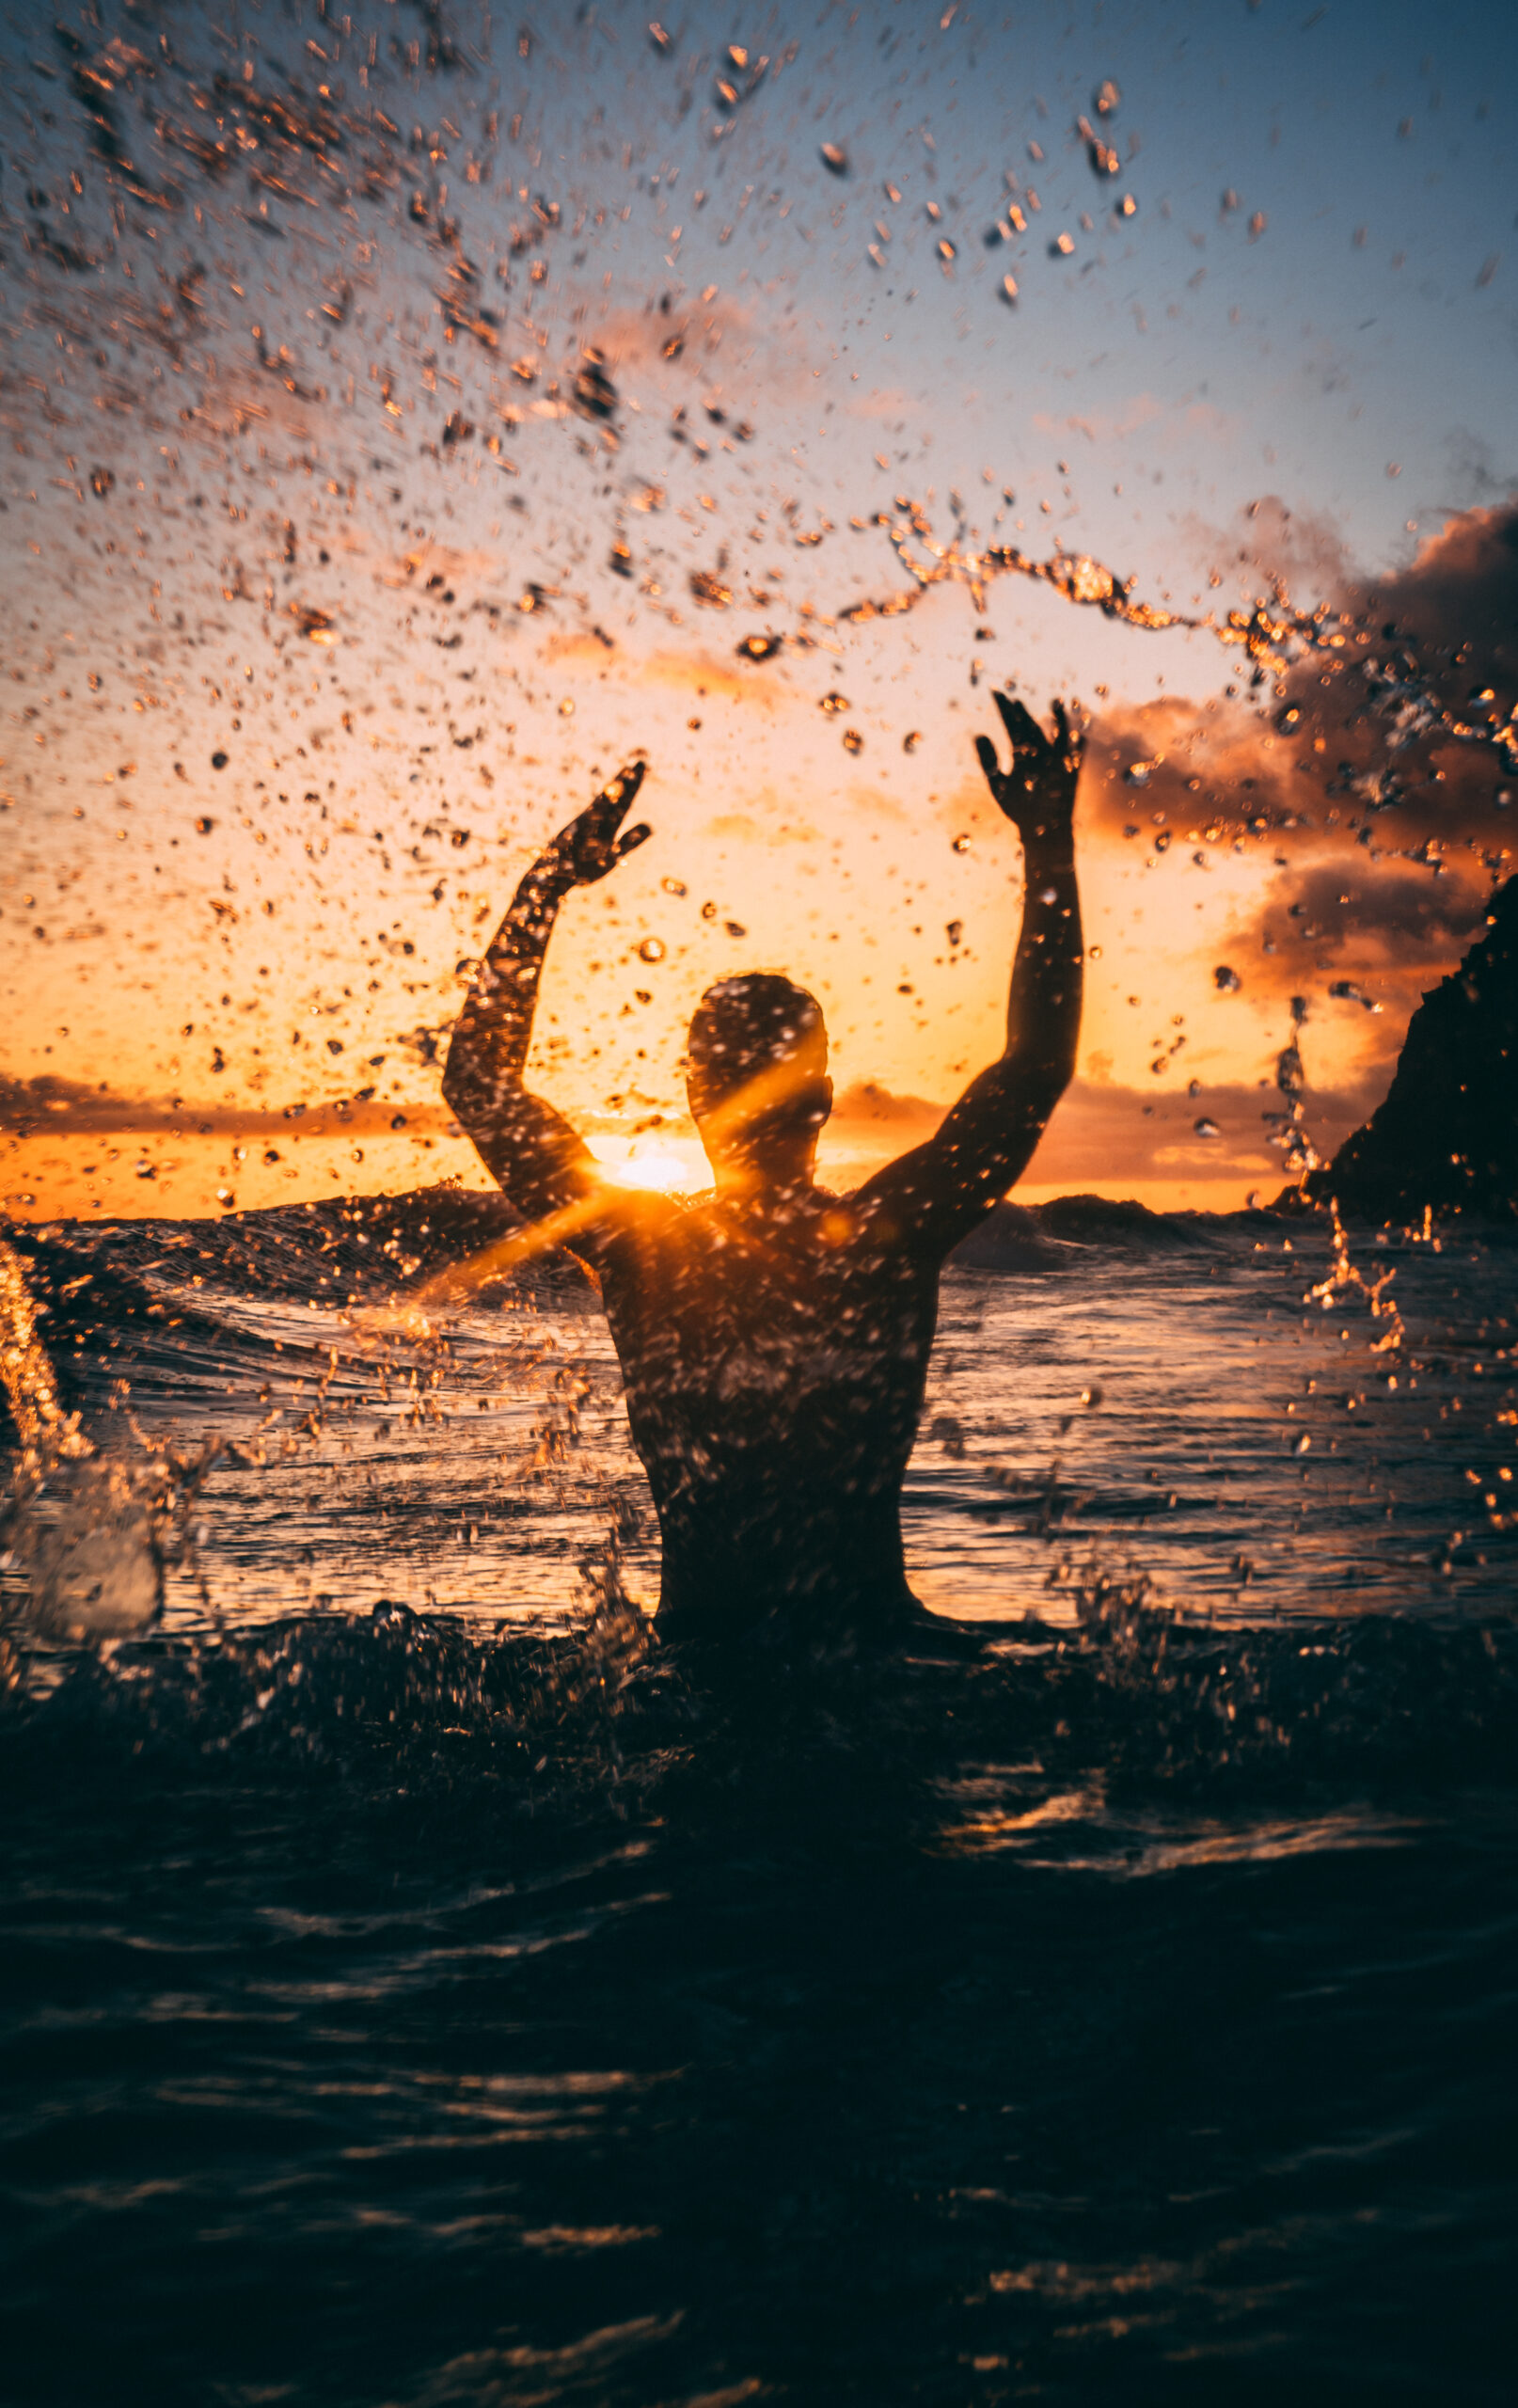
x=48 y=1435
x=1345 y=1277
x=86 y=1536
x=1274 y=634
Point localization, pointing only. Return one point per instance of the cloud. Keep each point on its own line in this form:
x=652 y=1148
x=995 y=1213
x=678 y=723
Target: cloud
x=1184 y=421
x=883 y=400
x=1352 y=744
x=1102 y=1132
x=66 y=1107
x=1179 y=764
x=677 y=345
x=1393 y=928
x=1388 y=830
x=742 y=828
x=700 y=671
x=866 y=1103
x=1102 y=426
x=1155 y=1138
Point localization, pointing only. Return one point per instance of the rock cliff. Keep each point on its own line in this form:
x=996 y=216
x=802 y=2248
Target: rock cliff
x=1447 y=1135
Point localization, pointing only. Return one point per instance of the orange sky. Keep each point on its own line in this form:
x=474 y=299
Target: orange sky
x=379 y=802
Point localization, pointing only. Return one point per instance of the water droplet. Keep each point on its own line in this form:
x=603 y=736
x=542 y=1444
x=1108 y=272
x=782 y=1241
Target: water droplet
x=962 y=844
x=1227 y=981
x=652 y=949
x=853 y=741
x=835 y=159
x=219 y=760
x=1205 y=1128
x=831 y=703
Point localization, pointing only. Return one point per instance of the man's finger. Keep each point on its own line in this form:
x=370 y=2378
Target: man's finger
x=613 y=804
x=627 y=781
x=985 y=754
x=1072 y=739
x=1020 y=723
x=635 y=836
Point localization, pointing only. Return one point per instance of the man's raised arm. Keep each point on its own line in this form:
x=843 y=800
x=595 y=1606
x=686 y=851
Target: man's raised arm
x=941 y=1190
x=541 y=1164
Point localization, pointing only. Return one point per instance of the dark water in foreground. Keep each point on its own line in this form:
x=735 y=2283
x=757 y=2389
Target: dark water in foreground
x=414 y=1991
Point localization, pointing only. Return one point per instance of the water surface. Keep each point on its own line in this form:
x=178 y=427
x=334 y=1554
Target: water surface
x=420 y=1991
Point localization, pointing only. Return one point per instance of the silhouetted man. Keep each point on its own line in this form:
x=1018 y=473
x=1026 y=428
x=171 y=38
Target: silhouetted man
x=774 y=1339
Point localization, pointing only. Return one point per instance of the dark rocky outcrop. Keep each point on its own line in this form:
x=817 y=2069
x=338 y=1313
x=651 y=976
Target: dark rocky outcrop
x=1447 y=1136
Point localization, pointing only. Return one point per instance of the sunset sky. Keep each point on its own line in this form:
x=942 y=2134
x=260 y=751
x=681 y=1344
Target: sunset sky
x=410 y=412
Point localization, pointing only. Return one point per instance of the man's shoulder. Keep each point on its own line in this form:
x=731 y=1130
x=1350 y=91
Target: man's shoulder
x=888 y=1217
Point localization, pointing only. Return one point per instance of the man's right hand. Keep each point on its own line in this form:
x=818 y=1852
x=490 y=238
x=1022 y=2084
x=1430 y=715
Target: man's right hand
x=590 y=847
x=1038 y=793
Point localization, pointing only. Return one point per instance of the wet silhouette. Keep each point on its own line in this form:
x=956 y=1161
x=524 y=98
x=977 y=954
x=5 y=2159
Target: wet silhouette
x=774 y=1339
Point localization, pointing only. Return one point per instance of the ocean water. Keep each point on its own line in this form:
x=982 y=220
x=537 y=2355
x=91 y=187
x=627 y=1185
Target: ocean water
x=420 y=1988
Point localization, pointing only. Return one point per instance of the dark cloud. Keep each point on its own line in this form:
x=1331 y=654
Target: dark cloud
x=1189 y=771
x=1353 y=740
x=1392 y=927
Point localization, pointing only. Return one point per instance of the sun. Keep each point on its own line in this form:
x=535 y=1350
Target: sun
x=670 y=1166
x=661 y=1170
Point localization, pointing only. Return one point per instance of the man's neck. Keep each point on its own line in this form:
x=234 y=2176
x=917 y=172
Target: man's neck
x=765 y=1193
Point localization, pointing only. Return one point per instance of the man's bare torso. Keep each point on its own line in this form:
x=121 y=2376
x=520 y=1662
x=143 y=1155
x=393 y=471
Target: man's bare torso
x=775 y=1363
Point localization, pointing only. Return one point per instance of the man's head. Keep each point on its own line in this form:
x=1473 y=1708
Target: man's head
x=757 y=1077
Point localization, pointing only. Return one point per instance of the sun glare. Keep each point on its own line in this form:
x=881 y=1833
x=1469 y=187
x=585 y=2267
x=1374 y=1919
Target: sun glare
x=671 y=1166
